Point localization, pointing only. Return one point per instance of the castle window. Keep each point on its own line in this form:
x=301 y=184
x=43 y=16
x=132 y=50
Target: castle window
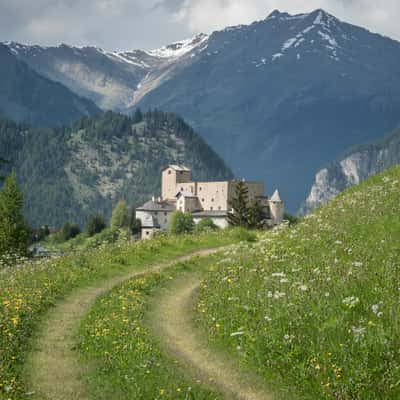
x=212 y=200
x=200 y=189
x=165 y=214
x=219 y=207
x=211 y=208
x=169 y=172
x=202 y=200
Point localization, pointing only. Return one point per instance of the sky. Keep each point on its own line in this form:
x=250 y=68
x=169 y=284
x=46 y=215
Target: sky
x=148 y=24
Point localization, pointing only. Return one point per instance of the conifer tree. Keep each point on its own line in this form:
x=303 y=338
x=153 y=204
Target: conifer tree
x=2 y=162
x=239 y=205
x=14 y=231
x=257 y=215
x=120 y=216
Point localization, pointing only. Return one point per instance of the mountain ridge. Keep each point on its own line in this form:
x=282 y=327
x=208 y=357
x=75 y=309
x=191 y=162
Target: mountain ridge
x=27 y=96
x=277 y=98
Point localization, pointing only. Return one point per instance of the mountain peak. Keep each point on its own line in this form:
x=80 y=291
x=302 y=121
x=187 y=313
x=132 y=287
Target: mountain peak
x=178 y=49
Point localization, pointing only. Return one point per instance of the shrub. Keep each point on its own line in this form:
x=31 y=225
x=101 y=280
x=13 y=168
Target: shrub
x=181 y=223
x=69 y=231
x=95 y=225
x=206 y=225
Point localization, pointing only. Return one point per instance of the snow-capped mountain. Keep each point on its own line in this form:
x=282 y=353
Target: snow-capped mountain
x=111 y=79
x=277 y=98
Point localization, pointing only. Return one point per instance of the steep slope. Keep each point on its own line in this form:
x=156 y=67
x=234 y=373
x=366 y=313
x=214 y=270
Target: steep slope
x=318 y=300
x=27 y=96
x=111 y=79
x=280 y=97
x=356 y=165
x=71 y=173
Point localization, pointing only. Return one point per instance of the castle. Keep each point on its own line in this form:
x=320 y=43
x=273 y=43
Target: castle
x=202 y=200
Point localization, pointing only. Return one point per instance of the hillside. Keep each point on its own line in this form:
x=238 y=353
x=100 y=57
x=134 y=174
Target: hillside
x=71 y=173
x=29 y=97
x=277 y=98
x=318 y=300
x=356 y=165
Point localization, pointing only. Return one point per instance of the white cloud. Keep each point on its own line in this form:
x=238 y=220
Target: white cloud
x=117 y=24
x=208 y=15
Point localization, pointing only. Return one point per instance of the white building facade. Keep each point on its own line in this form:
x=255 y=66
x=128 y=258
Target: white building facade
x=202 y=200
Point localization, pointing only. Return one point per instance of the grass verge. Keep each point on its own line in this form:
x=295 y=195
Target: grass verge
x=27 y=291
x=314 y=308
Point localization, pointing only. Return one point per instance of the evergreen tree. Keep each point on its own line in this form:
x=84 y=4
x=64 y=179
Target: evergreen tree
x=120 y=216
x=239 y=205
x=14 y=231
x=181 y=223
x=256 y=216
x=69 y=231
x=138 y=116
x=2 y=162
x=95 y=225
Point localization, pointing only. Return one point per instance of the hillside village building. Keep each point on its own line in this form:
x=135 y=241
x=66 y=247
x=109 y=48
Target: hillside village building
x=202 y=200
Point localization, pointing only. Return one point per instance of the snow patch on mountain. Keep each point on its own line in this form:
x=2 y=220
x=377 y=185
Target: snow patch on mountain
x=179 y=49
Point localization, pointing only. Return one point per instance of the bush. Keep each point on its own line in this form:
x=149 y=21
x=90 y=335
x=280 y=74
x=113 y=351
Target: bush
x=291 y=218
x=69 y=231
x=206 y=225
x=95 y=225
x=181 y=223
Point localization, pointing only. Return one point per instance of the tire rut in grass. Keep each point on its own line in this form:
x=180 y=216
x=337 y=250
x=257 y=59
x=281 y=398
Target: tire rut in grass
x=53 y=371
x=171 y=320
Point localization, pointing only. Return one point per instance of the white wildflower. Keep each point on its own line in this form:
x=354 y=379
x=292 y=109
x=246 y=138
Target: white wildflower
x=351 y=301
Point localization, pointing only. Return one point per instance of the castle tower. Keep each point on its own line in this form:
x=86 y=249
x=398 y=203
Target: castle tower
x=277 y=208
x=172 y=176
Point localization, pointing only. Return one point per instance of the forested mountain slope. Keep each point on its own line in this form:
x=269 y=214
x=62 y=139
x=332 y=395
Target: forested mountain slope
x=71 y=173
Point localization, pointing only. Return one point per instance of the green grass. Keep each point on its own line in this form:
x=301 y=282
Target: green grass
x=27 y=291
x=126 y=361
x=314 y=308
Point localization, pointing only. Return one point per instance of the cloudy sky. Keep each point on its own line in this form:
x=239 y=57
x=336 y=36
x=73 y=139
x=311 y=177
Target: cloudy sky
x=129 y=24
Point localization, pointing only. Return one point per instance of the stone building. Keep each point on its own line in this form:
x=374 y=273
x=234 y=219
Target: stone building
x=201 y=199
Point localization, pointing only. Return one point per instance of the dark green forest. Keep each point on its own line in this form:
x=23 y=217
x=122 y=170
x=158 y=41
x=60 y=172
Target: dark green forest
x=71 y=173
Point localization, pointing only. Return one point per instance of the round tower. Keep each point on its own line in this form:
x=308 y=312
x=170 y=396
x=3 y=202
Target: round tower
x=277 y=208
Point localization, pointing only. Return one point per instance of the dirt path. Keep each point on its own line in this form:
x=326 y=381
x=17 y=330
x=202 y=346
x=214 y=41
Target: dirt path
x=170 y=318
x=52 y=370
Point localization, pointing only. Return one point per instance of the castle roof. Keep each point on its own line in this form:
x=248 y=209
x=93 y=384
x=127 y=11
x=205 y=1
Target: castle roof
x=276 y=197
x=157 y=206
x=149 y=222
x=210 y=213
x=178 y=167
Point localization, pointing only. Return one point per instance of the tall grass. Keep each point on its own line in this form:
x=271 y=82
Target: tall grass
x=315 y=308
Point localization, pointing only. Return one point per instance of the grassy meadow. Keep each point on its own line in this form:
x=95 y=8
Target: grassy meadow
x=29 y=289
x=314 y=308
